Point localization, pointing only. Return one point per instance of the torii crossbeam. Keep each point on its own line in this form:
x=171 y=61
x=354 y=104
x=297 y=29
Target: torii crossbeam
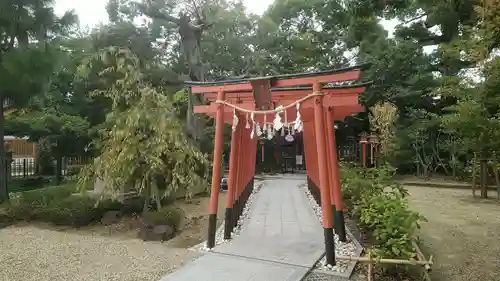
x=325 y=96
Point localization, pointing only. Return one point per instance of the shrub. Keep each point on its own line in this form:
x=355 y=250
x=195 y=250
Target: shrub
x=380 y=205
x=73 y=211
x=56 y=205
x=393 y=224
x=133 y=206
x=29 y=205
x=129 y=207
x=170 y=216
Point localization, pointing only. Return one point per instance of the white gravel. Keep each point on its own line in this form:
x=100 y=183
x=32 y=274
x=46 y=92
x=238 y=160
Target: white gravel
x=341 y=248
x=219 y=235
x=33 y=254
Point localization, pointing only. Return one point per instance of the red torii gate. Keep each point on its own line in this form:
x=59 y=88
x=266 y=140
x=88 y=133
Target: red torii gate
x=320 y=105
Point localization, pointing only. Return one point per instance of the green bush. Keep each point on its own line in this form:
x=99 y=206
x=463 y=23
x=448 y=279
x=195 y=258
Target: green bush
x=56 y=205
x=133 y=206
x=29 y=205
x=129 y=207
x=75 y=210
x=28 y=184
x=170 y=216
x=393 y=224
x=380 y=205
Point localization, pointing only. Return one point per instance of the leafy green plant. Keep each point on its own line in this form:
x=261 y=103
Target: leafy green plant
x=29 y=205
x=128 y=207
x=393 y=224
x=58 y=205
x=143 y=142
x=381 y=208
x=170 y=216
x=74 y=210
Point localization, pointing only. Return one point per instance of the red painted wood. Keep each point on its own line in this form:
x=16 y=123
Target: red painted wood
x=290 y=82
x=277 y=95
x=319 y=129
x=233 y=166
x=335 y=171
x=329 y=152
x=217 y=158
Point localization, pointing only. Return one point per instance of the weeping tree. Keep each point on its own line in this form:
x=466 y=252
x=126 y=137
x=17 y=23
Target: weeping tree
x=143 y=143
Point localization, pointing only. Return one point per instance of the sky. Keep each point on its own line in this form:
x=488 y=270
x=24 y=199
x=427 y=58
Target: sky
x=92 y=12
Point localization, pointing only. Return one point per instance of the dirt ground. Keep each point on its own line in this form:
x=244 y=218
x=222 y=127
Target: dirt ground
x=41 y=252
x=462 y=233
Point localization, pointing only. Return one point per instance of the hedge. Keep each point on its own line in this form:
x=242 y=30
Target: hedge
x=381 y=208
x=61 y=206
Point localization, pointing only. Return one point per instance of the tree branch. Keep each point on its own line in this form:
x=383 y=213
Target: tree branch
x=152 y=13
x=415 y=18
x=162 y=16
x=201 y=27
x=432 y=40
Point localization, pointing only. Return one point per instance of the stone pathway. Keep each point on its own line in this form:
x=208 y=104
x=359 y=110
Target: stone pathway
x=281 y=240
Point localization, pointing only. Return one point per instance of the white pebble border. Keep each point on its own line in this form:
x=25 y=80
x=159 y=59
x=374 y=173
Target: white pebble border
x=219 y=234
x=341 y=248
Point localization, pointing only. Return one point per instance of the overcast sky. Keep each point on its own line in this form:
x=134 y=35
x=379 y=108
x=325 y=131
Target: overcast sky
x=92 y=12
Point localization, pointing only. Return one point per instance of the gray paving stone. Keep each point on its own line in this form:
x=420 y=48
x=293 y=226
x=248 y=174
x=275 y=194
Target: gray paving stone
x=280 y=241
x=218 y=267
x=281 y=227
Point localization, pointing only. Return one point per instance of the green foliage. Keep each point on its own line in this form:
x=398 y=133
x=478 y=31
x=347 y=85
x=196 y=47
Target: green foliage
x=31 y=205
x=28 y=184
x=381 y=207
x=170 y=216
x=61 y=206
x=129 y=207
x=74 y=210
x=61 y=132
x=393 y=224
x=144 y=143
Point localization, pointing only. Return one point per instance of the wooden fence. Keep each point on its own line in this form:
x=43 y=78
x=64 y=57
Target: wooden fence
x=20 y=147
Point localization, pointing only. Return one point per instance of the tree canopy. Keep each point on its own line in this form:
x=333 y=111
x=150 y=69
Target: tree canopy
x=439 y=72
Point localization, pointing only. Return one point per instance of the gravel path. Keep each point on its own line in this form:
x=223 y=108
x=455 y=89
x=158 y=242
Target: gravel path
x=34 y=254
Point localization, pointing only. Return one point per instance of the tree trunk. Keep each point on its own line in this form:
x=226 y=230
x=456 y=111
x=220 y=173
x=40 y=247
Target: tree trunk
x=191 y=43
x=59 y=168
x=484 y=178
x=4 y=193
x=474 y=173
x=453 y=167
x=454 y=160
x=497 y=178
x=426 y=171
x=145 y=208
